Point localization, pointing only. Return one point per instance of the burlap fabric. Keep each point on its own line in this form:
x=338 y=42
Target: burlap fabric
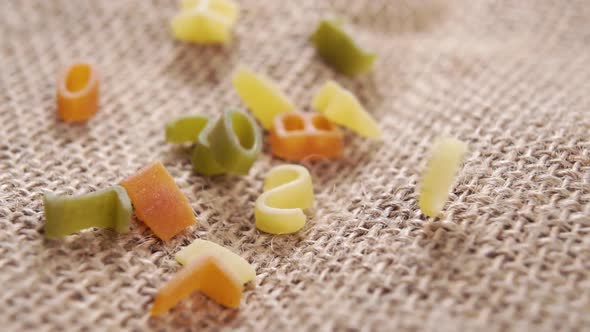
x=512 y=250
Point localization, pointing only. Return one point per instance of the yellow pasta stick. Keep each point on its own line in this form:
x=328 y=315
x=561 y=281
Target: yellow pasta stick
x=445 y=159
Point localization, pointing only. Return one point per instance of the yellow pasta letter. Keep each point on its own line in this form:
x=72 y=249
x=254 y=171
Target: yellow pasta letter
x=343 y=108
x=287 y=190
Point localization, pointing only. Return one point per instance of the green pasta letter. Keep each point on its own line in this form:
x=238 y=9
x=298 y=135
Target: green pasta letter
x=339 y=51
x=229 y=144
x=185 y=129
x=108 y=208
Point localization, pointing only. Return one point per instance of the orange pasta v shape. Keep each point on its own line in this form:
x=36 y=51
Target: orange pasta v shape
x=209 y=275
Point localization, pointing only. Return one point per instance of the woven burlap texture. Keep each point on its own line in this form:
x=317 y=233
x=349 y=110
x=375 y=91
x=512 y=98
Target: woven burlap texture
x=510 y=252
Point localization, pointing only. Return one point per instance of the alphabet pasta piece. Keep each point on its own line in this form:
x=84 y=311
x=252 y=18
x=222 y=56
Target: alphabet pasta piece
x=445 y=159
x=200 y=248
x=108 y=208
x=287 y=191
x=77 y=92
x=207 y=274
x=229 y=145
x=261 y=95
x=305 y=136
x=158 y=202
x=205 y=21
x=185 y=129
x=339 y=51
x=343 y=108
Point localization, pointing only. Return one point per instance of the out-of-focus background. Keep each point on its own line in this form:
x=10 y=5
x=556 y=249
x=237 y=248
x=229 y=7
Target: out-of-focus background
x=511 y=251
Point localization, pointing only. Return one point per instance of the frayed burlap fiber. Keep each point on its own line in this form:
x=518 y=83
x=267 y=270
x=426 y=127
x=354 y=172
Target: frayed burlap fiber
x=510 y=252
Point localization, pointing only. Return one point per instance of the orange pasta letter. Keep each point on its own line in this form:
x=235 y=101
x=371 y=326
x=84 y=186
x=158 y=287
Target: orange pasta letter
x=77 y=92
x=298 y=136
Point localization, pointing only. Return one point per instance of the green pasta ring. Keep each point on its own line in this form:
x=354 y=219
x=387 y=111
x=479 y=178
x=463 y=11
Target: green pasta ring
x=235 y=141
x=202 y=157
x=230 y=144
x=339 y=50
x=107 y=208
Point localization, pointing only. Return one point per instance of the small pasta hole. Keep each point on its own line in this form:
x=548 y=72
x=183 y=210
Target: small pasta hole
x=78 y=77
x=243 y=130
x=321 y=123
x=293 y=122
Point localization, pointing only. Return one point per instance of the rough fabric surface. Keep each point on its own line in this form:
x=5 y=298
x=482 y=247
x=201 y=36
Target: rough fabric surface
x=512 y=250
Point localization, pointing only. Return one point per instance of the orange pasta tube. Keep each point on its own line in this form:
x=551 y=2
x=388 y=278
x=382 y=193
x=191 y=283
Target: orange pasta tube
x=207 y=274
x=158 y=202
x=298 y=136
x=77 y=92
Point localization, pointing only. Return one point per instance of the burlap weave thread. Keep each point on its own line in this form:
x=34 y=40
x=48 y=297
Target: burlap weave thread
x=511 y=252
